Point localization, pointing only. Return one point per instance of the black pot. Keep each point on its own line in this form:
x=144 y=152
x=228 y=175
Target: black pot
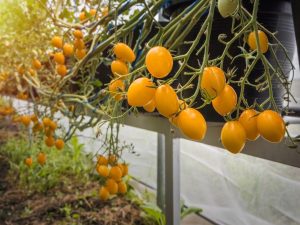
x=296 y=15
x=275 y=16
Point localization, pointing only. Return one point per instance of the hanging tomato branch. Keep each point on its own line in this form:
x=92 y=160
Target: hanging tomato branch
x=117 y=58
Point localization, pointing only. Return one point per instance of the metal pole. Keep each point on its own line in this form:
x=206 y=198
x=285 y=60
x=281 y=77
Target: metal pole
x=160 y=196
x=172 y=179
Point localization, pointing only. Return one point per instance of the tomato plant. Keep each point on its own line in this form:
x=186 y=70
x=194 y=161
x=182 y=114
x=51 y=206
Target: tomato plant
x=109 y=60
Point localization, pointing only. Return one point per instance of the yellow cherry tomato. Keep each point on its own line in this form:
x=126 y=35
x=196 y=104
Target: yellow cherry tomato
x=213 y=81
x=226 y=101
x=118 y=67
x=159 y=62
x=192 y=124
x=263 y=41
x=248 y=119
x=124 y=52
x=140 y=92
x=271 y=126
x=233 y=136
x=166 y=100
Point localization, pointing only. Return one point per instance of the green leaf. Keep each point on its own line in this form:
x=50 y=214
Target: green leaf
x=190 y=210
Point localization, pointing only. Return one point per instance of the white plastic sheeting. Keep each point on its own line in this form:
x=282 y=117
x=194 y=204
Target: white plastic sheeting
x=231 y=189
x=239 y=189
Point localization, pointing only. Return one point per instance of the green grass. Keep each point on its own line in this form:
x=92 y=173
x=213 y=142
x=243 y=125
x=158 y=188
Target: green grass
x=62 y=166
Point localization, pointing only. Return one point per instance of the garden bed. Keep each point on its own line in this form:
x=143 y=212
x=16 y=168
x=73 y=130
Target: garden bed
x=70 y=200
x=63 y=205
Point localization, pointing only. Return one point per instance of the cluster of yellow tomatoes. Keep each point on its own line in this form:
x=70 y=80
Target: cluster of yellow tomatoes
x=36 y=65
x=41 y=159
x=67 y=50
x=85 y=16
x=112 y=173
x=48 y=127
x=143 y=92
x=119 y=68
x=250 y=125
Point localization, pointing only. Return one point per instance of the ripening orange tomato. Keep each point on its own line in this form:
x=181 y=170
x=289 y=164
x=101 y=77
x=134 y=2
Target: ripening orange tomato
x=103 y=170
x=124 y=52
x=150 y=106
x=68 y=50
x=82 y=16
x=61 y=70
x=28 y=161
x=102 y=160
x=50 y=141
x=140 y=92
x=115 y=173
x=57 y=42
x=41 y=158
x=159 y=62
x=36 y=64
x=59 y=144
x=46 y=121
x=103 y=194
x=233 y=136
x=115 y=87
x=79 y=44
x=112 y=186
x=80 y=53
x=213 y=81
x=93 y=12
x=166 y=100
x=118 y=67
x=78 y=34
x=121 y=168
x=122 y=187
x=192 y=124
x=25 y=120
x=263 y=41
x=124 y=170
x=248 y=119
x=271 y=126
x=59 y=58
x=226 y=101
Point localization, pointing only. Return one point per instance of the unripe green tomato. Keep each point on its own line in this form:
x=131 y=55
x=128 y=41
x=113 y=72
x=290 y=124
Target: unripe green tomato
x=227 y=7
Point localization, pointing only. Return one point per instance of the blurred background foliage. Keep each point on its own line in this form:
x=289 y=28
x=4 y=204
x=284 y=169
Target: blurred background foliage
x=27 y=26
x=25 y=29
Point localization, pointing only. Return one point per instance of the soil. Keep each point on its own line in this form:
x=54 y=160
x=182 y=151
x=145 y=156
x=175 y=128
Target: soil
x=71 y=203
x=74 y=204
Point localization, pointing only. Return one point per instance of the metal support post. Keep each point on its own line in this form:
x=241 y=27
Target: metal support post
x=172 y=179
x=160 y=196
